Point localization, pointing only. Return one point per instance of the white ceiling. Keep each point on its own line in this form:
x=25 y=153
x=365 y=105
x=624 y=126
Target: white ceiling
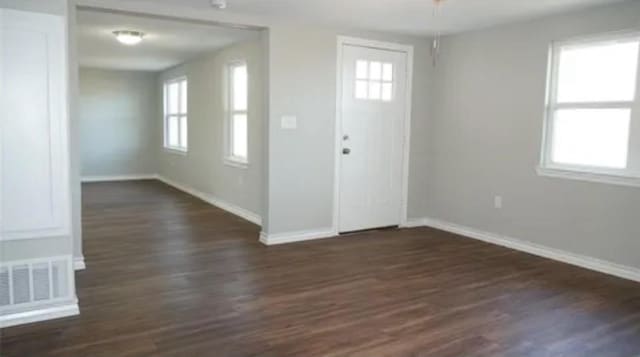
x=399 y=16
x=166 y=43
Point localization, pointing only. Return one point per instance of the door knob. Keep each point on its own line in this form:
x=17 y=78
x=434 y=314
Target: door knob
x=346 y=151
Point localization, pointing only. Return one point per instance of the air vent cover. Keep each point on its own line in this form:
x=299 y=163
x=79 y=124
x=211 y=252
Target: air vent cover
x=36 y=281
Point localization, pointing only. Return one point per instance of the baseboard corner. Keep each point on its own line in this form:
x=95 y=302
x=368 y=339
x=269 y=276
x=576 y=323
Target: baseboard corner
x=264 y=238
x=78 y=263
x=414 y=223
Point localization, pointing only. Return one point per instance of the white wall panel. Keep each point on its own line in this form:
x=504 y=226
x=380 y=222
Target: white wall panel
x=34 y=187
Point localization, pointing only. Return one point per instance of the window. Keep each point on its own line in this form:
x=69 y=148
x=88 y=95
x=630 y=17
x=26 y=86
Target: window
x=592 y=122
x=374 y=80
x=175 y=114
x=237 y=123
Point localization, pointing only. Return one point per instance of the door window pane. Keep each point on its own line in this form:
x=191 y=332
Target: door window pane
x=362 y=89
x=387 y=91
x=362 y=69
x=387 y=72
x=374 y=90
x=591 y=137
x=374 y=80
x=375 y=71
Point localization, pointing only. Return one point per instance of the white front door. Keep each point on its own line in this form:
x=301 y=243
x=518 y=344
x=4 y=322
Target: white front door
x=371 y=136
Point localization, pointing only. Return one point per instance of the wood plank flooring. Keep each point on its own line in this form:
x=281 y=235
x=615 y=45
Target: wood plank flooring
x=169 y=275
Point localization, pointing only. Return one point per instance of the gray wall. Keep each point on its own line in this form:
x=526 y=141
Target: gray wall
x=203 y=167
x=118 y=119
x=302 y=69
x=486 y=135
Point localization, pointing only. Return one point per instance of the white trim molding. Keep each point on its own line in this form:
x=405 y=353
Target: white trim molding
x=406 y=138
x=43 y=314
x=78 y=263
x=114 y=178
x=292 y=237
x=589 y=177
x=602 y=266
x=229 y=207
x=413 y=223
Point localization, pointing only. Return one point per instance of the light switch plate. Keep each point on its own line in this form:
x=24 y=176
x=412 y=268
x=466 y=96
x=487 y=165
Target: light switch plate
x=497 y=202
x=288 y=122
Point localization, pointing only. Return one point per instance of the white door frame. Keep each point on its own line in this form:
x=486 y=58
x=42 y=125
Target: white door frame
x=406 y=139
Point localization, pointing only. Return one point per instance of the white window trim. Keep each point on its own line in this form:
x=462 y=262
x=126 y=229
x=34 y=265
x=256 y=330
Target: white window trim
x=577 y=172
x=229 y=159
x=165 y=117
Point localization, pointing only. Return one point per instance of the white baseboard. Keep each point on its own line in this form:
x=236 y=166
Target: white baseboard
x=47 y=313
x=238 y=211
x=119 y=178
x=291 y=237
x=413 y=223
x=78 y=263
x=582 y=261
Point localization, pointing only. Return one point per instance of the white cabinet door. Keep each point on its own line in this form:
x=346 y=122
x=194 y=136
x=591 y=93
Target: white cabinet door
x=373 y=124
x=34 y=172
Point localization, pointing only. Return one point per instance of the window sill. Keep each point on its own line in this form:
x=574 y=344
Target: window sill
x=236 y=163
x=589 y=177
x=175 y=151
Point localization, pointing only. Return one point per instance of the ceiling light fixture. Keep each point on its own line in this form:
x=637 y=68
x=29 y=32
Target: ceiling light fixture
x=128 y=38
x=219 y=4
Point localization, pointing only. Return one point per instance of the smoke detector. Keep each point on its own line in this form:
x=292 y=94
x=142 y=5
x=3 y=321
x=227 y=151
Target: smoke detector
x=219 y=4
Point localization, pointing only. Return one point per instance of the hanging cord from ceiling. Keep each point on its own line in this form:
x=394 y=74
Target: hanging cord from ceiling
x=435 y=44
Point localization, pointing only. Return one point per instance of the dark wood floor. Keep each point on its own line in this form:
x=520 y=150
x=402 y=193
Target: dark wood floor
x=169 y=275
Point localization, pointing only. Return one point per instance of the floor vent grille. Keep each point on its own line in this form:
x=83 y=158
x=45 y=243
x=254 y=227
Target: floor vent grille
x=35 y=281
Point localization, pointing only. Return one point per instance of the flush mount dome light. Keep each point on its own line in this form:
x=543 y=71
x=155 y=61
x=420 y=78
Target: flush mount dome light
x=129 y=38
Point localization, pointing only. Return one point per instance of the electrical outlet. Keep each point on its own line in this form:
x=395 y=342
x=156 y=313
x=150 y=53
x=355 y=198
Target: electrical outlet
x=497 y=202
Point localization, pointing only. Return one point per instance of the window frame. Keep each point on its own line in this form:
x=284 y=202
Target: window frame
x=629 y=176
x=182 y=149
x=229 y=158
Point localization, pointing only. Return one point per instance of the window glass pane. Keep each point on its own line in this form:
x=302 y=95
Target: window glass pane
x=239 y=89
x=600 y=72
x=239 y=139
x=362 y=69
x=183 y=97
x=375 y=70
x=387 y=91
x=387 y=72
x=172 y=98
x=183 y=132
x=374 y=90
x=172 y=132
x=591 y=137
x=362 y=89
